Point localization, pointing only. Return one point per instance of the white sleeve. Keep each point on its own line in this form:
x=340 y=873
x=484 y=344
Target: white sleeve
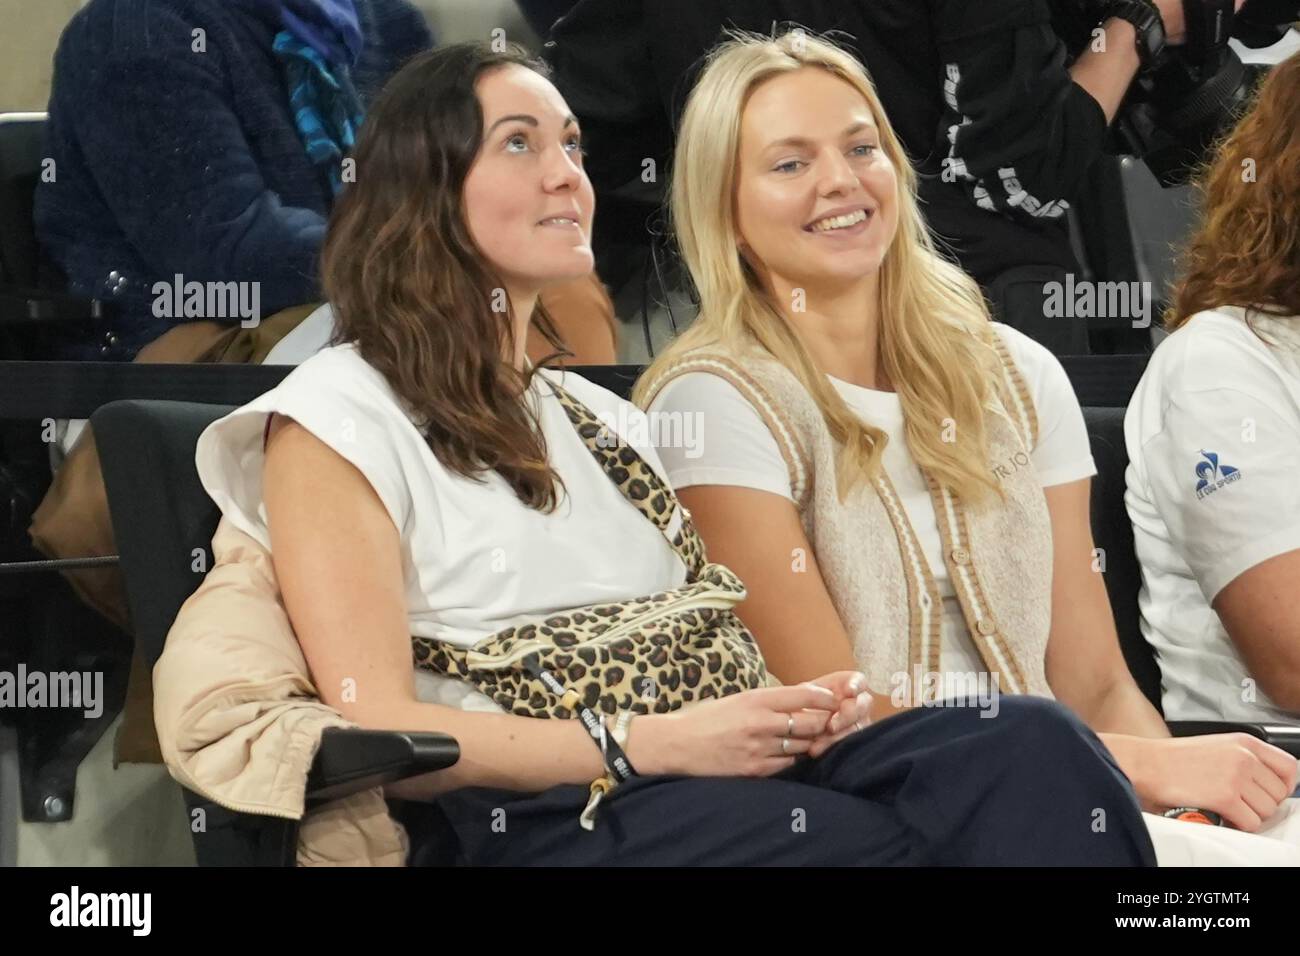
x=326 y=396
x=1063 y=453
x=733 y=445
x=1221 y=472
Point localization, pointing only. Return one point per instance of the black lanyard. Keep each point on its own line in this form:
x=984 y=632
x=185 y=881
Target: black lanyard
x=611 y=753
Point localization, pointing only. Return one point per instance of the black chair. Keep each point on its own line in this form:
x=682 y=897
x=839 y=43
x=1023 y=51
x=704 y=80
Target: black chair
x=24 y=468
x=1113 y=535
x=161 y=518
x=32 y=296
x=42 y=623
x=33 y=304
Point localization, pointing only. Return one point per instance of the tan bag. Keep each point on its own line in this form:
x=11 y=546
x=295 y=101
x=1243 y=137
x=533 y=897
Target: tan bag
x=73 y=518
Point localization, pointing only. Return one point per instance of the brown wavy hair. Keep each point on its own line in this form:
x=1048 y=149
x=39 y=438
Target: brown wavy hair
x=413 y=291
x=1247 y=249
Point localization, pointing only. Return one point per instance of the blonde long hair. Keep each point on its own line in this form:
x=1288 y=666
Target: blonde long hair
x=934 y=338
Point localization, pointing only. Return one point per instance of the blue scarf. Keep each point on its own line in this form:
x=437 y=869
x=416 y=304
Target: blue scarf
x=318 y=45
x=330 y=27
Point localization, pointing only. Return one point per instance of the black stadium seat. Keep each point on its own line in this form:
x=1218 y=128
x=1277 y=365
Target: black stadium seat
x=42 y=623
x=1112 y=535
x=32 y=296
x=161 y=515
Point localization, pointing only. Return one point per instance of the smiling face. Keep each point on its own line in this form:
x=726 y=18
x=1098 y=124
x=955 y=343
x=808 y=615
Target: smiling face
x=816 y=196
x=528 y=202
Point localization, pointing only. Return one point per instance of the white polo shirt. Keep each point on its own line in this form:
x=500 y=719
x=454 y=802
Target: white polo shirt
x=1213 y=436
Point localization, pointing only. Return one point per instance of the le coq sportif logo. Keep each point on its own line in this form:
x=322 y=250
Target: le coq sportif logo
x=1212 y=474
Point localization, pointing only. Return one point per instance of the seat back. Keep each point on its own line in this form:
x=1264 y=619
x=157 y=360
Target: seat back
x=1113 y=537
x=163 y=520
x=32 y=287
x=21 y=146
x=23 y=457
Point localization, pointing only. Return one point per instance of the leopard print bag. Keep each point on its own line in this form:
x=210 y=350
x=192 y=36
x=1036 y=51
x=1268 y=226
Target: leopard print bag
x=648 y=655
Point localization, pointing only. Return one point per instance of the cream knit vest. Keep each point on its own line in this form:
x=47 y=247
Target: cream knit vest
x=999 y=556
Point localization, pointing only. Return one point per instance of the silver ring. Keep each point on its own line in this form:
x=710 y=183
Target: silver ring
x=789 y=726
x=785 y=746
x=857 y=725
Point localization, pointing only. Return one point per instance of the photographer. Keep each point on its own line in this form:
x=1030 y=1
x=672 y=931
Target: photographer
x=1002 y=129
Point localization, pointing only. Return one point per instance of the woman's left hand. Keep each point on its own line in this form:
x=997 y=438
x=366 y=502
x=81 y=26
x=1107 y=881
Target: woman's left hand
x=852 y=711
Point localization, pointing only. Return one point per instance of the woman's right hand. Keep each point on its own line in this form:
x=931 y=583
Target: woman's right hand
x=736 y=736
x=1238 y=776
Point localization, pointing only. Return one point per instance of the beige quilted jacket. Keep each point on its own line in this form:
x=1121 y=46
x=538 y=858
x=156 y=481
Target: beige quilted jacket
x=239 y=721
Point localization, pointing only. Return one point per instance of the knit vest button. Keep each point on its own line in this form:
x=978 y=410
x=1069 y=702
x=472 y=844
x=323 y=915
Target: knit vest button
x=961 y=556
x=985 y=626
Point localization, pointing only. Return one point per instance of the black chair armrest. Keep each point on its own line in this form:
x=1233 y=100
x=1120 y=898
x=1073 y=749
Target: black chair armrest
x=34 y=307
x=1279 y=735
x=351 y=760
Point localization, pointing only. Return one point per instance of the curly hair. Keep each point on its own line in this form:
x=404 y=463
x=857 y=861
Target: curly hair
x=1247 y=249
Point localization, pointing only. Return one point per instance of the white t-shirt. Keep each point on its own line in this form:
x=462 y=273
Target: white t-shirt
x=732 y=446
x=475 y=559
x=1213 y=436
x=304 y=340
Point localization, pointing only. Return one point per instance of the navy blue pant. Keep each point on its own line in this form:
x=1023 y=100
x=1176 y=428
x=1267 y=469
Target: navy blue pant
x=1032 y=786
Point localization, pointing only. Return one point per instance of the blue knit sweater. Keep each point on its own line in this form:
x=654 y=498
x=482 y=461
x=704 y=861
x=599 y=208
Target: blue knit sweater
x=170 y=161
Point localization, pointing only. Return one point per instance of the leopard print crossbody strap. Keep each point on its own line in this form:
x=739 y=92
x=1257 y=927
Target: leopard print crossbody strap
x=637 y=480
x=651 y=654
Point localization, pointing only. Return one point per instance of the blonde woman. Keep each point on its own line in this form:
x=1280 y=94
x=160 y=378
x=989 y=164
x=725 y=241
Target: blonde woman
x=901 y=484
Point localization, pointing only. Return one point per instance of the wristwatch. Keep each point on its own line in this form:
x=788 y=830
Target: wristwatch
x=1147 y=21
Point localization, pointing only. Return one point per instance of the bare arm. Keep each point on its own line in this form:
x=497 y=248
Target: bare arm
x=1260 y=609
x=1233 y=774
x=758 y=535
x=1107 y=72
x=1085 y=667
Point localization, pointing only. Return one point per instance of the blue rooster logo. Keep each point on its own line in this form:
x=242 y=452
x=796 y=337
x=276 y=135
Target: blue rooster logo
x=1210 y=471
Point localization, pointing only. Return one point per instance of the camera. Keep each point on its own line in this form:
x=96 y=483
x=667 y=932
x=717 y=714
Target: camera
x=1177 y=109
